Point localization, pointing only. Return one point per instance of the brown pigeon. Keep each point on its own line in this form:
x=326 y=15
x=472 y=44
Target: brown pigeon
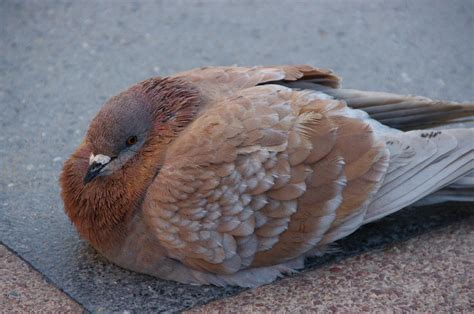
x=233 y=175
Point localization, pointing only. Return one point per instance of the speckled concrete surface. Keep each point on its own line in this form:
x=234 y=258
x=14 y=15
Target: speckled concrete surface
x=23 y=290
x=60 y=60
x=432 y=273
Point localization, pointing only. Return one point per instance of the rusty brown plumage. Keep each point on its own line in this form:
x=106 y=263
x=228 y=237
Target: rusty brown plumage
x=232 y=175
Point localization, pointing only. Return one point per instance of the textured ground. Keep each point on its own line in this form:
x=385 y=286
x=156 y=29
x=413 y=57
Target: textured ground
x=25 y=290
x=59 y=61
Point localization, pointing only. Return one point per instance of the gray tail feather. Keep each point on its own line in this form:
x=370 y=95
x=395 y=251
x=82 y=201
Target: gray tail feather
x=400 y=111
x=461 y=190
x=406 y=112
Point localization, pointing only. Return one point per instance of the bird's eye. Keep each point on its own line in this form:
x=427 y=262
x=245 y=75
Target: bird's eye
x=132 y=140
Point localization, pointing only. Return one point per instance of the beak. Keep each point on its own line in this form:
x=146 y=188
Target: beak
x=93 y=171
x=96 y=164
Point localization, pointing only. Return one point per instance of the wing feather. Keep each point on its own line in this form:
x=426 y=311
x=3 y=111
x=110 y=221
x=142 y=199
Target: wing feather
x=271 y=168
x=266 y=173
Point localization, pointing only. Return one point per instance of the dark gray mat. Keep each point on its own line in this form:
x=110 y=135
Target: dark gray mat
x=59 y=61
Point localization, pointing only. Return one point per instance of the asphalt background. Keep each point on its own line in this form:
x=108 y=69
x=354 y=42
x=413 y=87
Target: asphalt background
x=59 y=61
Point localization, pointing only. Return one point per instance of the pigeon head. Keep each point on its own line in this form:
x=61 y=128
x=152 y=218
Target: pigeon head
x=118 y=132
x=124 y=148
x=151 y=111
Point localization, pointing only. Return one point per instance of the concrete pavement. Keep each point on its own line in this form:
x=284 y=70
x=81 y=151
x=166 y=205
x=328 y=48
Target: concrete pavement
x=59 y=61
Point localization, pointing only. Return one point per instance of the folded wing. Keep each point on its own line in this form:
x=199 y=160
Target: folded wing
x=267 y=173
